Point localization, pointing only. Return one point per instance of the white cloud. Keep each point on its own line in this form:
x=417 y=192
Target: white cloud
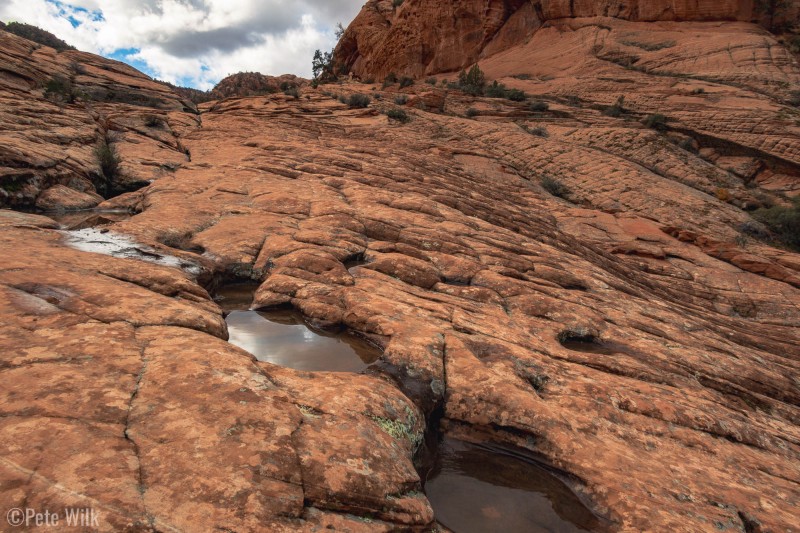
x=193 y=41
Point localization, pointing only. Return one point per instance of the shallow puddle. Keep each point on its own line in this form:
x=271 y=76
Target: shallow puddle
x=102 y=241
x=283 y=338
x=473 y=489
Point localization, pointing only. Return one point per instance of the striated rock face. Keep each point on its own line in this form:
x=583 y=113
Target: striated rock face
x=419 y=37
x=539 y=274
x=253 y=83
x=57 y=107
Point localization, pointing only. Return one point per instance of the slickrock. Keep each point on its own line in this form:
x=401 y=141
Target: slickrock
x=626 y=333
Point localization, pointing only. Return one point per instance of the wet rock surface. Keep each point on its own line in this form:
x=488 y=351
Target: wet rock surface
x=623 y=335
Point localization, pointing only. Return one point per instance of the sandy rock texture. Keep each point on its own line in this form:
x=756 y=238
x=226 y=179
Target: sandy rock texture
x=57 y=108
x=420 y=38
x=627 y=332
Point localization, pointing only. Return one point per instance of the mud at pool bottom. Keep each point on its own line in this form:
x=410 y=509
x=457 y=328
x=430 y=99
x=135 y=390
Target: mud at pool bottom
x=475 y=490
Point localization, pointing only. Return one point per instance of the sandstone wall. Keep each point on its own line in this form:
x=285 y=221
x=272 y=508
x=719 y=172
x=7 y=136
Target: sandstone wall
x=420 y=38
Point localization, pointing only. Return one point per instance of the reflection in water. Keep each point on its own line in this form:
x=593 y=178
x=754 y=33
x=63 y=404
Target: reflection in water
x=282 y=338
x=236 y=296
x=473 y=489
x=75 y=220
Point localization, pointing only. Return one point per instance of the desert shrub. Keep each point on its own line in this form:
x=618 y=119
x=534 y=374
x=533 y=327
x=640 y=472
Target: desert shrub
x=473 y=82
x=699 y=90
x=109 y=161
x=538 y=131
x=617 y=109
x=495 y=90
x=343 y=99
x=59 y=89
x=656 y=121
x=794 y=99
x=405 y=81
x=358 y=101
x=573 y=100
x=401 y=100
x=555 y=187
x=522 y=76
x=783 y=222
x=515 y=95
x=539 y=106
x=687 y=143
x=431 y=81
x=292 y=92
x=390 y=79
x=322 y=67
x=153 y=121
x=397 y=3
x=398 y=114
x=472 y=112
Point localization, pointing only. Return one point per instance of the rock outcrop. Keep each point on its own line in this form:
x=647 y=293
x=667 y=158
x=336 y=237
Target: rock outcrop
x=254 y=84
x=58 y=107
x=542 y=274
x=420 y=38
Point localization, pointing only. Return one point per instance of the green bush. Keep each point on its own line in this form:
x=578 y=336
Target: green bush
x=153 y=121
x=656 y=121
x=617 y=109
x=473 y=82
x=390 y=79
x=538 y=131
x=784 y=222
x=398 y=114
x=515 y=95
x=539 y=106
x=397 y=3
x=472 y=112
x=358 y=101
x=498 y=90
x=431 y=81
x=59 y=89
x=292 y=92
x=555 y=187
x=401 y=100
x=405 y=81
x=109 y=161
x=495 y=90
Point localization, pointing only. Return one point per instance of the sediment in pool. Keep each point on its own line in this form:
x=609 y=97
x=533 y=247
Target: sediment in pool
x=474 y=489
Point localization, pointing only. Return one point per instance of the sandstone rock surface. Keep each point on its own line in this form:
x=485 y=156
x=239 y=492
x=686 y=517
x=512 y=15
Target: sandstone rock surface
x=437 y=238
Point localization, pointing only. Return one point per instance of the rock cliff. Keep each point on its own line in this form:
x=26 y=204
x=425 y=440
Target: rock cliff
x=418 y=38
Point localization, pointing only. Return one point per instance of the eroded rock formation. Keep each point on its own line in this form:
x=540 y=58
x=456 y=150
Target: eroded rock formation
x=626 y=333
x=420 y=38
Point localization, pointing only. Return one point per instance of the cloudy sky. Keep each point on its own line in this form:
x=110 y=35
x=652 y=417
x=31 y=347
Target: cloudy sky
x=193 y=42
